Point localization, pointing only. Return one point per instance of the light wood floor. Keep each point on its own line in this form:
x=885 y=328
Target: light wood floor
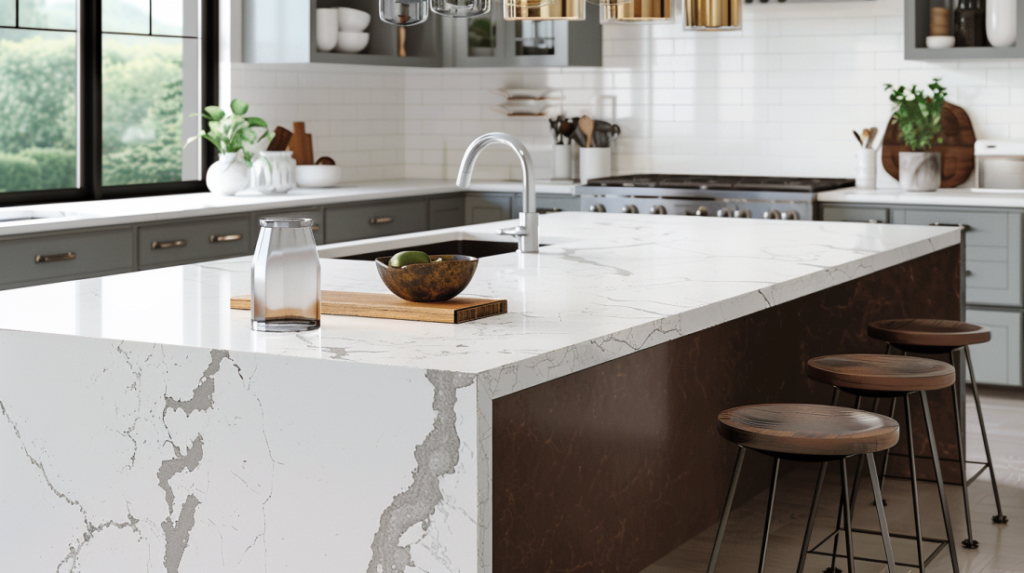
x=1001 y=546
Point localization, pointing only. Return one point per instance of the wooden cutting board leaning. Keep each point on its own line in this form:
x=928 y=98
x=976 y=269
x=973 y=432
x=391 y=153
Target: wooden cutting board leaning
x=957 y=147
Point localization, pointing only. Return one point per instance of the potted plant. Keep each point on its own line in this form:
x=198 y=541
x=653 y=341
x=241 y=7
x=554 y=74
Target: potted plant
x=233 y=135
x=481 y=37
x=919 y=119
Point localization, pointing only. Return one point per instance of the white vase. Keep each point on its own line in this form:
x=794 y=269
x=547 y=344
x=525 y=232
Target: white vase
x=228 y=175
x=920 y=170
x=273 y=172
x=326 y=29
x=1001 y=22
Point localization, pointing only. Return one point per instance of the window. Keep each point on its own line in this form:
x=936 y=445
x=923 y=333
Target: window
x=98 y=98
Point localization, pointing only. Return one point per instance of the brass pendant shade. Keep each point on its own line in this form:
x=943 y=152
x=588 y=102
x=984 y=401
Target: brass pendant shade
x=638 y=11
x=712 y=14
x=610 y=2
x=557 y=10
x=524 y=4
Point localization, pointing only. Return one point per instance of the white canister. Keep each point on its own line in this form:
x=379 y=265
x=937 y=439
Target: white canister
x=273 y=172
x=867 y=168
x=562 y=161
x=595 y=162
x=326 y=29
x=1001 y=22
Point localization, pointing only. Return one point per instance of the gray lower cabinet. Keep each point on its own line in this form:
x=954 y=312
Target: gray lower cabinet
x=998 y=361
x=488 y=207
x=193 y=241
x=854 y=214
x=378 y=219
x=447 y=212
x=65 y=256
x=317 y=214
x=547 y=203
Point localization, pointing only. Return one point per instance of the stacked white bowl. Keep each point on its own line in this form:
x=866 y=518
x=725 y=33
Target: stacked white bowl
x=352 y=37
x=326 y=29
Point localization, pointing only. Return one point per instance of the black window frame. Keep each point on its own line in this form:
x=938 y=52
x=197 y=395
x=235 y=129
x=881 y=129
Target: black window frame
x=90 y=118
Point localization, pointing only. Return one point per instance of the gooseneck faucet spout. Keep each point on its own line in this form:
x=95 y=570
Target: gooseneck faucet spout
x=526 y=232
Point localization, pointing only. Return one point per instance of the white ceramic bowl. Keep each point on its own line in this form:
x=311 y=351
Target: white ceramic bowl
x=939 y=42
x=317 y=175
x=326 y=29
x=353 y=42
x=352 y=20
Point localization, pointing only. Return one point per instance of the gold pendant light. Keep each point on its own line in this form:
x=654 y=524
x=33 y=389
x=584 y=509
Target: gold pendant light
x=638 y=11
x=556 y=10
x=712 y=14
x=525 y=4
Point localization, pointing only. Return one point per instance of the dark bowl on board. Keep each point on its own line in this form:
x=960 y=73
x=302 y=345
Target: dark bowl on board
x=429 y=282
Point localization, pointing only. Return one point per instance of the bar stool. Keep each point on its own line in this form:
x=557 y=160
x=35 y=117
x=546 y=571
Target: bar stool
x=807 y=433
x=944 y=337
x=889 y=376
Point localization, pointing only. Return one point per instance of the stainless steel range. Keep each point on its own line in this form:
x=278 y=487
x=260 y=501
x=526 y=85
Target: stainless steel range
x=787 y=198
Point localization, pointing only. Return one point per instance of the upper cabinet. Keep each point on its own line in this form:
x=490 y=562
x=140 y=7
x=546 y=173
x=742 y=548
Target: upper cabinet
x=917 y=18
x=284 y=31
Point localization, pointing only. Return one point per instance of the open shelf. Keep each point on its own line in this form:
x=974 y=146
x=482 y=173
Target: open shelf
x=422 y=44
x=916 y=16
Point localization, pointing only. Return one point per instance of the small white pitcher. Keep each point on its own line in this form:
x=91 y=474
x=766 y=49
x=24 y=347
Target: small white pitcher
x=273 y=172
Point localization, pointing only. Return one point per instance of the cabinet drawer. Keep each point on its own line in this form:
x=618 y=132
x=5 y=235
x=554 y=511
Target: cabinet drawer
x=349 y=223
x=316 y=214
x=193 y=241
x=998 y=361
x=854 y=214
x=447 y=212
x=57 y=258
x=993 y=258
x=488 y=207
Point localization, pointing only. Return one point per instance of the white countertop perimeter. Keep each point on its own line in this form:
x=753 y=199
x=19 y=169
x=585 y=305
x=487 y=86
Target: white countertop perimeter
x=954 y=197
x=606 y=286
x=86 y=214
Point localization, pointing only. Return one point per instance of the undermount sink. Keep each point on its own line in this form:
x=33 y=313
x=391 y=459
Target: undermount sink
x=478 y=249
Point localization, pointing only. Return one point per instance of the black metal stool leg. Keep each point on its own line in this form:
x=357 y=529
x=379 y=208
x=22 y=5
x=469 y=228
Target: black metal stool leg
x=810 y=518
x=970 y=542
x=841 y=516
x=883 y=526
x=885 y=458
x=725 y=512
x=849 y=517
x=913 y=483
x=768 y=514
x=938 y=479
x=999 y=517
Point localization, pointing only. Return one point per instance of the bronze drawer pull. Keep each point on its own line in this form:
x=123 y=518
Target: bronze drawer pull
x=55 y=258
x=966 y=227
x=380 y=220
x=316 y=228
x=225 y=238
x=168 y=244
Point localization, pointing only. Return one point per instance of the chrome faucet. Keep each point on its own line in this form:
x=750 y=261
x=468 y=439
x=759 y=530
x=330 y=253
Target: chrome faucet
x=526 y=232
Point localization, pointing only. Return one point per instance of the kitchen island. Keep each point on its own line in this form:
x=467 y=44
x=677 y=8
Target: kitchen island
x=147 y=428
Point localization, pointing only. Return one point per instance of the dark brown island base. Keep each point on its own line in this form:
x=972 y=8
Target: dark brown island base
x=610 y=468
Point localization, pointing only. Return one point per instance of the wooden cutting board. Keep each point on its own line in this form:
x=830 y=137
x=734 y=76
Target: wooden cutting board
x=301 y=144
x=957 y=147
x=384 y=305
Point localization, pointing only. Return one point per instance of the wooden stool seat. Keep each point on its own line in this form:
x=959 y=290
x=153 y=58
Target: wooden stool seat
x=928 y=333
x=876 y=374
x=808 y=429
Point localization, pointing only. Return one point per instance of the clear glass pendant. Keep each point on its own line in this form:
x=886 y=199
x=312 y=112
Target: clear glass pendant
x=638 y=11
x=713 y=15
x=404 y=12
x=572 y=10
x=460 y=8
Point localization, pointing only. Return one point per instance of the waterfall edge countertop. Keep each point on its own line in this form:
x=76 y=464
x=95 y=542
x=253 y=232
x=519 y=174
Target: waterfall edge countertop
x=145 y=426
x=86 y=214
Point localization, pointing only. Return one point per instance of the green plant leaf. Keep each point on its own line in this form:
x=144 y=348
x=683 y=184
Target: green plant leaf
x=256 y=122
x=239 y=107
x=215 y=113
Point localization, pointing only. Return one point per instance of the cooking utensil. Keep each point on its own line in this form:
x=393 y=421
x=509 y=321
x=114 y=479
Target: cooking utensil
x=401 y=43
x=871 y=137
x=860 y=141
x=280 y=140
x=865 y=136
x=586 y=126
x=386 y=305
x=566 y=127
x=555 y=124
x=301 y=144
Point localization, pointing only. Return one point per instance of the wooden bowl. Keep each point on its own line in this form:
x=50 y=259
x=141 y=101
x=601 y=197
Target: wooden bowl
x=429 y=282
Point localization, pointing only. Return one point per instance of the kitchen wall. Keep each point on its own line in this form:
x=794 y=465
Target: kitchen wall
x=778 y=98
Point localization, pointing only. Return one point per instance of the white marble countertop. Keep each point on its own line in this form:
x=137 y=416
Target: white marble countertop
x=954 y=197
x=86 y=214
x=606 y=285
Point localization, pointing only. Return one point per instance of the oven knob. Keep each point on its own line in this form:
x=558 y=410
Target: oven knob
x=773 y=214
x=742 y=213
x=724 y=213
x=791 y=216
x=701 y=211
x=599 y=208
x=630 y=209
x=659 y=210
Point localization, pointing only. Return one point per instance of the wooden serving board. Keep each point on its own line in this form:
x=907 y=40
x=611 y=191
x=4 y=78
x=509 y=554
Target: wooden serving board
x=957 y=147
x=379 y=305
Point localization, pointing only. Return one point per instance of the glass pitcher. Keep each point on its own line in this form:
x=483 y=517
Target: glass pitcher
x=285 y=277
